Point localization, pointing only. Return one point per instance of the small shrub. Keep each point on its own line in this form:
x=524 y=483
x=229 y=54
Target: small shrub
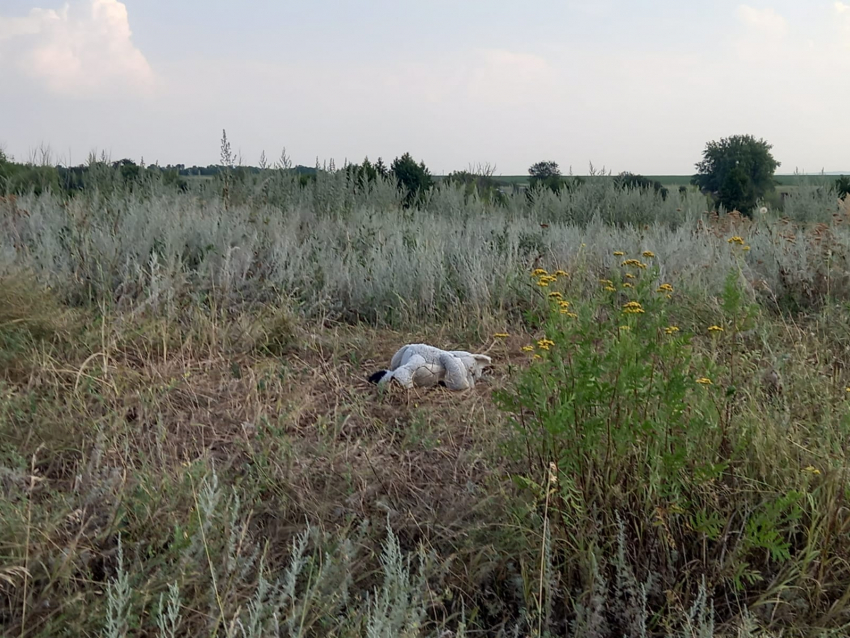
x=620 y=417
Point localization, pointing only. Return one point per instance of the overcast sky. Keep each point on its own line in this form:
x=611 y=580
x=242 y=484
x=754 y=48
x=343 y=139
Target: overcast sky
x=626 y=85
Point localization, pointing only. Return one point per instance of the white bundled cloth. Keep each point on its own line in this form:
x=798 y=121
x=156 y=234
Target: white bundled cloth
x=421 y=365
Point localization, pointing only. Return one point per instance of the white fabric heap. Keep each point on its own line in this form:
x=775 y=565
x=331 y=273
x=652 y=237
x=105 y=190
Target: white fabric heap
x=421 y=365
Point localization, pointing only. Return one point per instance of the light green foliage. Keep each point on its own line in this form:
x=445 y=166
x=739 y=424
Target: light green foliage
x=346 y=253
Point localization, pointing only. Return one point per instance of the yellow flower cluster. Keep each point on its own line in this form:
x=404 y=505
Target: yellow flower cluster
x=544 y=278
x=739 y=241
x=545 y=344
x=555 y=295
x=625 y=328
x=501 y=335
x=618 y=253
x=715 y=329
x=633 y=308
x=811 y=469
x=648 y=254
x=571 y=315
x=629 y=275
x=528 y=348
x=671 y=330
x=704 y=381
x=665 y=288
x=561 y=273
x=634 y=262
x=628 y=285
x=608 y=285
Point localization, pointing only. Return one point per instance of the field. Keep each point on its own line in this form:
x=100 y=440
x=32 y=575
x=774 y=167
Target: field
x=189 y=445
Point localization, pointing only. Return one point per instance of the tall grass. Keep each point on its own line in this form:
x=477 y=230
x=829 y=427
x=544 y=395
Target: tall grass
x=188 y=445
x=337 y=250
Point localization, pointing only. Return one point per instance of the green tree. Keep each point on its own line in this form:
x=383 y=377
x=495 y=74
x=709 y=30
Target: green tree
x=479 y=180
x=414 y=178
x=381 y=168
x=544 y=170
x=737 y=171
x=360 y=175
x=546 y=174
x=634 y=181
x=842 y=186
x=18 y=178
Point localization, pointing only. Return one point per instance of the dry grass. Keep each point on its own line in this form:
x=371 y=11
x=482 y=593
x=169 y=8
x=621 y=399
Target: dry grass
x=119 y=435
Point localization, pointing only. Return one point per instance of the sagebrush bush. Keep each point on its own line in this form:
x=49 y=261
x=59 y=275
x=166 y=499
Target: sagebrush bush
x=338 y=252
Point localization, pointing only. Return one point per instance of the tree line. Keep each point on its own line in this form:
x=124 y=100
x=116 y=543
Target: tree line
x=736 y=172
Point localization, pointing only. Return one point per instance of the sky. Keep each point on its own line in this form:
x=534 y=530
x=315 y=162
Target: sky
x=616 y=84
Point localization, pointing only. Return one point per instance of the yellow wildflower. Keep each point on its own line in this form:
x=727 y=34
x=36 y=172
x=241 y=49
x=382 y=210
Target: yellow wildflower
x=745 y=248
x=715 y=329
x=610 y=289
x=736 y=240
x=618 y=253
x=665 y=288
x=625 y=328
x=571 y=315
x=811 y=469
x=542 y=283
x=555 y=295
x=528 y=348
x=671 y=329
x=564 y=304
x=606 y=281
x=704 y=381
x=629 y=275
x=633 y=308
x=648 y=254
x=633 y=262
x=537 y=272
x=501 y=335
x=561 y=273
x=545 y=344
x=628 y=285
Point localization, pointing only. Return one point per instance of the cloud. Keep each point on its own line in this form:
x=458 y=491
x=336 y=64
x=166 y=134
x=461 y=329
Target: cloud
x=765 y=21
x=840 y=8
x=84 y=50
